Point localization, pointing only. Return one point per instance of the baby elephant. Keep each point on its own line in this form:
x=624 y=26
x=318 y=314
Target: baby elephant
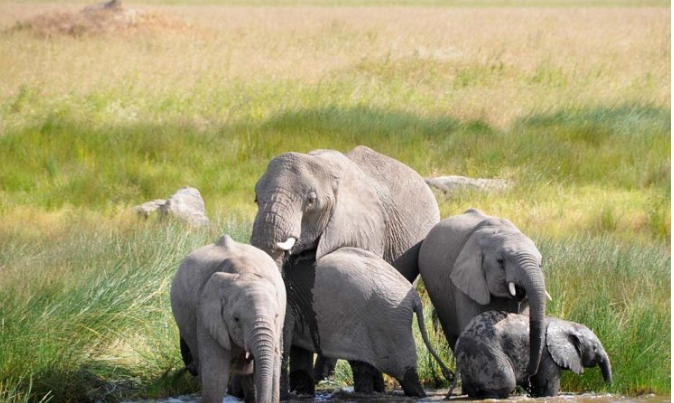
x=351 y=304
x=229 y=302
x=493 y=351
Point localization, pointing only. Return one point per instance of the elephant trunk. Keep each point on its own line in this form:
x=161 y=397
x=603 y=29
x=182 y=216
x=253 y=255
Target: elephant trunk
x=263 y=346
x=534 y=285
x=270 y=228
x=605 y=365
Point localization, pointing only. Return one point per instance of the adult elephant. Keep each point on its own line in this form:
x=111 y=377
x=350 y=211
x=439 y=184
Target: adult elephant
x=326 y=200
x=474 y=263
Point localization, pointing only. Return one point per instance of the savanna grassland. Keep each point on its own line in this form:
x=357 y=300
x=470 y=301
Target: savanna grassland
x=572 y=105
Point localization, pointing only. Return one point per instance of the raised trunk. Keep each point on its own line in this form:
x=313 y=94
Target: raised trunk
x=605 y=366
x=263 y=345
x=534 y=285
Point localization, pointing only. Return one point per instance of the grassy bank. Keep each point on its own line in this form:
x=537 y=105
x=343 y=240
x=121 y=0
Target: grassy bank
x=572 y=106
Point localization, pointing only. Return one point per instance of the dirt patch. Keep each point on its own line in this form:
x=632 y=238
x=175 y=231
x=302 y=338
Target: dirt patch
x=97 y=19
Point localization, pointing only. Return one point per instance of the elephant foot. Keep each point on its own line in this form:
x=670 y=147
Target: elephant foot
x=301 y=377
x=186 y=355
x=378 y=384
x=411 y=385
x=302 y=383
x=366 y=378
x=324 y=368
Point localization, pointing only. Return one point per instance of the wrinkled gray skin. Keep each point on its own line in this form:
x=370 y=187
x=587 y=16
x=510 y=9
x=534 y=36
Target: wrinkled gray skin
x=229 y=300
x=467 y=261
x=326 y=200
x=362 y=308
x=493 y=351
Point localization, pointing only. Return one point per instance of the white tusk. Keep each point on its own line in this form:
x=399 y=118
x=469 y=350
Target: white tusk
x=247 y=355
x=511 y=287
x=548 y=295
x=287 y=245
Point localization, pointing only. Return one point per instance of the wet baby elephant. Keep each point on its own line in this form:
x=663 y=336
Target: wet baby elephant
x=229 y=302
x=352 y=305
x=493 y=351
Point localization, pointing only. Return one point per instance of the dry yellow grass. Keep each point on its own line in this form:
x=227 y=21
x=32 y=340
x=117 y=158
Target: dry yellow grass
x=490 y=64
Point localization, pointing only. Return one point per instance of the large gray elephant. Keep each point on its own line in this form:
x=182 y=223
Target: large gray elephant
x=473 y=263
x=493 y=351
x=229 y=302
x=326 y=200
x=352 y=305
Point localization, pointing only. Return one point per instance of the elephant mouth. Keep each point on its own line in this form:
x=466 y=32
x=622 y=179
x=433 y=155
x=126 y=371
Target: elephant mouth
x=291 y=259
x=520 y=293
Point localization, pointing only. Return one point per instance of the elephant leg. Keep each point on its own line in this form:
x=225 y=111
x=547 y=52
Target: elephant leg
x=248 y=386
x=235 y=387
x=302 y=371
x=363 y=379
x=214 y=364
x=366 y=378
x=378 y=384
x=324 y=367
x=186 y=354
x=288 y=326
x=411 y=385
x=546 y=381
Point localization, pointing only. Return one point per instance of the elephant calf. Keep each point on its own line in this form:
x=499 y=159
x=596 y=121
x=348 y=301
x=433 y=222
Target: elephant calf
x=229 y=302
x=351 y=304
x=493 y=351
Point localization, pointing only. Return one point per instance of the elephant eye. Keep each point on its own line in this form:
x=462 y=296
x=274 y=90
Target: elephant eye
x=312 y=198
x=236 y=318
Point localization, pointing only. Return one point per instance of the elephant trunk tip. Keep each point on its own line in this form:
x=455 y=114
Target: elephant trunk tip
x=605 y=366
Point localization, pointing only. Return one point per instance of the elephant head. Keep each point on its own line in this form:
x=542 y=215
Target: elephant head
x=321 y=200
x=497 y=260
x=574 y=346
x=246 y=310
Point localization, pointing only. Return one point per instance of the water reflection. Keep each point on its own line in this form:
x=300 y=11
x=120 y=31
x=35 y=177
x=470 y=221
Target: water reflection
x=346 y=396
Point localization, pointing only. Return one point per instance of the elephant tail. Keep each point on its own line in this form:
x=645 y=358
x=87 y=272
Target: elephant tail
x=419 y=309
x=451 y=388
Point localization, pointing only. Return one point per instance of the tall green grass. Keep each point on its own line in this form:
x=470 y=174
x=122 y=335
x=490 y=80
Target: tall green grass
x=617 y=150
x=86 y=315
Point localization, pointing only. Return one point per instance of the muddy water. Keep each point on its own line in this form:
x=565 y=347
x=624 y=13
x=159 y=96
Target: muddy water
x=345 y=396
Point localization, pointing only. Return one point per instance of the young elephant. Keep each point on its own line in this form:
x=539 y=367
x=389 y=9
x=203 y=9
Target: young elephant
x=493 y=351
x=229 y=302
x=473 y=263
x=351 y=304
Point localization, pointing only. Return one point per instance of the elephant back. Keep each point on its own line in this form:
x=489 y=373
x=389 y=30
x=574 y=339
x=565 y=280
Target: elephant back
x=412 y=207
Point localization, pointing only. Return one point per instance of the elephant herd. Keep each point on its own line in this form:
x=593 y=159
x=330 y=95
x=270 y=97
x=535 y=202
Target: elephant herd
x=336 y=246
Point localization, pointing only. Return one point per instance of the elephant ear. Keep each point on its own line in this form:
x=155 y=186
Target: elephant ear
x=468 y=274
x=358 y=218
x=211 y=308
x=564 y=344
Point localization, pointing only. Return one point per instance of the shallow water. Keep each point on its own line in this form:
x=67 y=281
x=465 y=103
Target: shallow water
x=346 y=396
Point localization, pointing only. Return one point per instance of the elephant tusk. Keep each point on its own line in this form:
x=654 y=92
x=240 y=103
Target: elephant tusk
x=287 y=245
x=548 y=296
x=247 y=355
x=511 y=288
